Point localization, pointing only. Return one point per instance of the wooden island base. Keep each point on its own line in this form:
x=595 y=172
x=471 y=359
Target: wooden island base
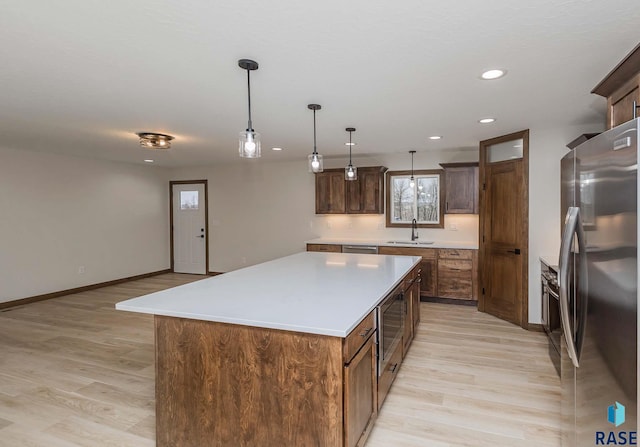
x=228 y=385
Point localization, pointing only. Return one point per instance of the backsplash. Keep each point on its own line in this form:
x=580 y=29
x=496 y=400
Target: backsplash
x=458 y=228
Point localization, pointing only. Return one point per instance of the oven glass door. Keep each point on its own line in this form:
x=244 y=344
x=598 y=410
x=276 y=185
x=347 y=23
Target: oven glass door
x=392 y=324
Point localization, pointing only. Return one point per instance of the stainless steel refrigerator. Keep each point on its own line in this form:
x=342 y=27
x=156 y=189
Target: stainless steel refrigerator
x=598 y=282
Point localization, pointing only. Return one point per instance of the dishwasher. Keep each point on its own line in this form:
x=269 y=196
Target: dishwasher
x=362 y=249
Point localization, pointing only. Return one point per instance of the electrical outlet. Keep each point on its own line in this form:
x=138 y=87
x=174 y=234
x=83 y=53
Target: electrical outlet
x=380 y=226
x=81 y=270
x=328 y=224
x=453 y=227
x=243 y=260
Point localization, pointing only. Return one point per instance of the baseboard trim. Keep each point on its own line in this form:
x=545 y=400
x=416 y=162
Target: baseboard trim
x=434 y=299
x=48 y=296
x=535 y=327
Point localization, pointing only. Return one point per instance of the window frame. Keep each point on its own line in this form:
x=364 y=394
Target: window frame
x=416 y=173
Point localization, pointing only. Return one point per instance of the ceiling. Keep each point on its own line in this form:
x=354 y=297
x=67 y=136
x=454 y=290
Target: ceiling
x=80 y=77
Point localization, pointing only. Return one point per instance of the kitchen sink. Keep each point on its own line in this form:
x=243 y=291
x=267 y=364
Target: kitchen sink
x=410 y=242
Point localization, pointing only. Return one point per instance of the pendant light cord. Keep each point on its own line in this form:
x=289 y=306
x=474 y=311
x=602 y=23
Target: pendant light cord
x=350 y=145
x=249 y=100
x=314 y=132
x=412 y=164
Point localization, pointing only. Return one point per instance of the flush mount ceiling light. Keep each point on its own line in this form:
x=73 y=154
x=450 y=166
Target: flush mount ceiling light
x=315 y=159
x=151 y=140
x=276 y=149
x=495 y=73
x=412 y=180
x=350 y=172
x=249 y=143
x=486 y=120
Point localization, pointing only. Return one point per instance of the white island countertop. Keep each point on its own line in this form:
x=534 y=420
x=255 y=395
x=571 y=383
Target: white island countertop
x=318 y=293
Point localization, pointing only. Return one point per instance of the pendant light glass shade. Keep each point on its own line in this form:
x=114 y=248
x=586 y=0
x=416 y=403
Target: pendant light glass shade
x=350 y=172
x=315 y=163
x=249 y=141
x=249 y=144
x=315 y=159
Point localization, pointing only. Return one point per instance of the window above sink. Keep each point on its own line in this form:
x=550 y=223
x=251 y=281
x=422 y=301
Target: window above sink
x=422 y=201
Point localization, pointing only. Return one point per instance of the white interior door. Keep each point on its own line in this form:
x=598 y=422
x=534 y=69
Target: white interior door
x=189 y=228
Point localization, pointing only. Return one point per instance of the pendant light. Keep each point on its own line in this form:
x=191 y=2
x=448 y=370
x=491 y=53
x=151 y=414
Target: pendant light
x=249 y=143
x=350 y=172
x=315 y=159
x=412 y=180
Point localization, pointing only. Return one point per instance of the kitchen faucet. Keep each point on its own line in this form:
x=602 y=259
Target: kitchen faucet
x=414 y=230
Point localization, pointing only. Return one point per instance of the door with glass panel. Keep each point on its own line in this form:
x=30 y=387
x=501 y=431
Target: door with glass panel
x=504 y=226
x=189 y=233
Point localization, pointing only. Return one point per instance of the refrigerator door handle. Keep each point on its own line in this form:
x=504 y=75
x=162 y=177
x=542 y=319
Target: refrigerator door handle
x=570 y=228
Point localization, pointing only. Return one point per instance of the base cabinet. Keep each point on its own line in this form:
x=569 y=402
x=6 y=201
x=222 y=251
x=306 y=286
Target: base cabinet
x=360 y=395
x=445 y=272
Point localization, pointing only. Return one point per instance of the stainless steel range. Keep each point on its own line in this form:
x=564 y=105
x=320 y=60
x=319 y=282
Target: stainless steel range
x=551 y=309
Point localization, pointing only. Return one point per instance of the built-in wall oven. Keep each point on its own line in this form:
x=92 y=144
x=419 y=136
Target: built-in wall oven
x=551 y=311
x=390 y=314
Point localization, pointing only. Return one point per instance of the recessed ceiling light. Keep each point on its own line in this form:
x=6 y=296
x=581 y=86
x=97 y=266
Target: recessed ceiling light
x=349 y=144
x=493 y=74
x=435 y=137
x=276 y=148
x=148 y=161
x=486 y=120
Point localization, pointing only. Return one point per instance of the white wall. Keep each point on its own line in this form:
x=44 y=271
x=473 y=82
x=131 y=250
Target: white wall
x=546 y=148
x=60 y=213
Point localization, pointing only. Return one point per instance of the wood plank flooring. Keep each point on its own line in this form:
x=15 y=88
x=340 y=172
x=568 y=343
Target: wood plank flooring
x=76 y=372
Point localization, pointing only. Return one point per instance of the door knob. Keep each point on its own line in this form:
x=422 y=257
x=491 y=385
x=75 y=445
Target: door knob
x=201 y=236
x=515 y=251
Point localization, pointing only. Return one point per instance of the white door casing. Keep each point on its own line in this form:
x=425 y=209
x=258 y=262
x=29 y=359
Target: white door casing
x=189 y=228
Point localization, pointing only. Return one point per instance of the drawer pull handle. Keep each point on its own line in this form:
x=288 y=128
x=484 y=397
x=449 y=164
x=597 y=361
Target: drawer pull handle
x=394 y=367
x=365 y=332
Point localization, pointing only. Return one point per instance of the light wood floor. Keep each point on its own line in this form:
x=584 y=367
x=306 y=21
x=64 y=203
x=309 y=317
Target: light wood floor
x=76 y=372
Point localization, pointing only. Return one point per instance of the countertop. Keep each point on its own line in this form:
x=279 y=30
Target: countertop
x=318 y=293
x=397 y=243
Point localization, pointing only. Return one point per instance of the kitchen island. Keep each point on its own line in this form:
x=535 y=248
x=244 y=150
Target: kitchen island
x=282 y=353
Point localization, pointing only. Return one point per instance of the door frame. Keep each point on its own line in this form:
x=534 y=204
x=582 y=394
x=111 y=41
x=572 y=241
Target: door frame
x=206 y=218
x=524 y=134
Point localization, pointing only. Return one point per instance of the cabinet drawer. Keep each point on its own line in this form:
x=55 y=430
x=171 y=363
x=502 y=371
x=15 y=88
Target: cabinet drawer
x=357 y=337
x=426 y=253
x=452 y=253
x=455 y=279
x=332 y=248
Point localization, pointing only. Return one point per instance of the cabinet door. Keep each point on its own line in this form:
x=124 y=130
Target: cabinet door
x=407 y=337
x=330 y=192
x=621 y=109
x=429 y=277
x=365 y=195
x=461 y=190
x=416 y=302
x=360 y=395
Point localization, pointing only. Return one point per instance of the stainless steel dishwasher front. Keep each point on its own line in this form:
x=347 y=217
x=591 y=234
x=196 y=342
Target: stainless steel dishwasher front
x=362 y=249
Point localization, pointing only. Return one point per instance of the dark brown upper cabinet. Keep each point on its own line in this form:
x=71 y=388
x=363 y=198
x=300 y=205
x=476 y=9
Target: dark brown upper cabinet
x=621 y=87
x=335 y=195
x=461 y=188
